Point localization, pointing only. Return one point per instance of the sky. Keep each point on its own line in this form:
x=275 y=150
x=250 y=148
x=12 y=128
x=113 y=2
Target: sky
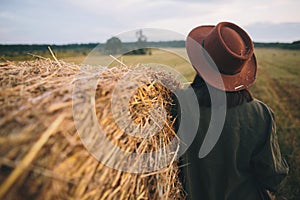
x=84 y=21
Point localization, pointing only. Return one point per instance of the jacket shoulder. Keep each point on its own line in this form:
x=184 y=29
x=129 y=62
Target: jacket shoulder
x=263 y=108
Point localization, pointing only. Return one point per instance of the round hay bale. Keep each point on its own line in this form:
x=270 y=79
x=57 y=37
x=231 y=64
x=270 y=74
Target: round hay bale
x=43 y=157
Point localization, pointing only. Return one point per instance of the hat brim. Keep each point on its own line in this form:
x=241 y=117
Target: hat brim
x=206 y=68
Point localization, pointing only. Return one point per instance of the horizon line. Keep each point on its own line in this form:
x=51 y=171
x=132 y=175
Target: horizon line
x=88 y=43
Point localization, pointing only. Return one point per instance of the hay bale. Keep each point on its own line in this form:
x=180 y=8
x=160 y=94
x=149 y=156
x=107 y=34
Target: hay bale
x=41 y=154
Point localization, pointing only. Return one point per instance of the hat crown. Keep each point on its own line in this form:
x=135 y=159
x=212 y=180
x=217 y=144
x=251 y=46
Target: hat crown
x=229 y=46
x=233 y=41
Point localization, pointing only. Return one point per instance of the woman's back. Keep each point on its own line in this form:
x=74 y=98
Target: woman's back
x=235 y=167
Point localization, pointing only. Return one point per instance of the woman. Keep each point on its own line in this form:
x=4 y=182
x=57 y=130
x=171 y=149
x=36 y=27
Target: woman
x=245 y=162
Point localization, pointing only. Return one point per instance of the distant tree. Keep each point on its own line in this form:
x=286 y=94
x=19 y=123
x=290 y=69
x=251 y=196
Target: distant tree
x=142 y=39
x=141 y=44
x=113 y=45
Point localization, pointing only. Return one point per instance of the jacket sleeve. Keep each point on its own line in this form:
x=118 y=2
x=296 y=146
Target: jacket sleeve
x=269 y=167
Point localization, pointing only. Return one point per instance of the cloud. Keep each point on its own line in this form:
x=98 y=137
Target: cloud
x=271 y=32
x=197 y=1
x=65 y=21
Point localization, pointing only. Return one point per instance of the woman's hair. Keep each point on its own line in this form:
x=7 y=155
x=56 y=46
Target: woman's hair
x=204 y=91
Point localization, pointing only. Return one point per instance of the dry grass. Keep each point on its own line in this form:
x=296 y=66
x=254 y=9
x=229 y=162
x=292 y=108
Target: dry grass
x=41 y=154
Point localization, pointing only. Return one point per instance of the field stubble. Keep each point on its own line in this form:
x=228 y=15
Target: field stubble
x=278 y=85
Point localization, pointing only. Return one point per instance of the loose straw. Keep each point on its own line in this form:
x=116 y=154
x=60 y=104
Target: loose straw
x=30 y=156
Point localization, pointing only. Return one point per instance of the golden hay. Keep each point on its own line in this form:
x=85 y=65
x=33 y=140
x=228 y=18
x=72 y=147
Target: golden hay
x=42 y=156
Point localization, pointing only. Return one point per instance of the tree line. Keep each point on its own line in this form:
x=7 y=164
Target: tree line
x=23 y=51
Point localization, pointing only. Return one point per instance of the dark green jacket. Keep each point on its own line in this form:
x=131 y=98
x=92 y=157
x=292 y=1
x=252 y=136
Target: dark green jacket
x=245 y=161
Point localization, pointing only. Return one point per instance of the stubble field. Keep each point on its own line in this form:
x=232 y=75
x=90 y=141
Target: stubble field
x=277 y=84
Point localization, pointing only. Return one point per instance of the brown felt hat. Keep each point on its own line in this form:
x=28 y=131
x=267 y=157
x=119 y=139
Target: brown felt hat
x=223 y=56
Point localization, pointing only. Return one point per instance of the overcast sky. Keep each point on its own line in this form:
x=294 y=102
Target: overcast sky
x=82 y=21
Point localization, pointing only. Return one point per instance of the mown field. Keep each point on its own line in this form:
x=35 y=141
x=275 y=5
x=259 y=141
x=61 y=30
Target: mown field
x=278 y=85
